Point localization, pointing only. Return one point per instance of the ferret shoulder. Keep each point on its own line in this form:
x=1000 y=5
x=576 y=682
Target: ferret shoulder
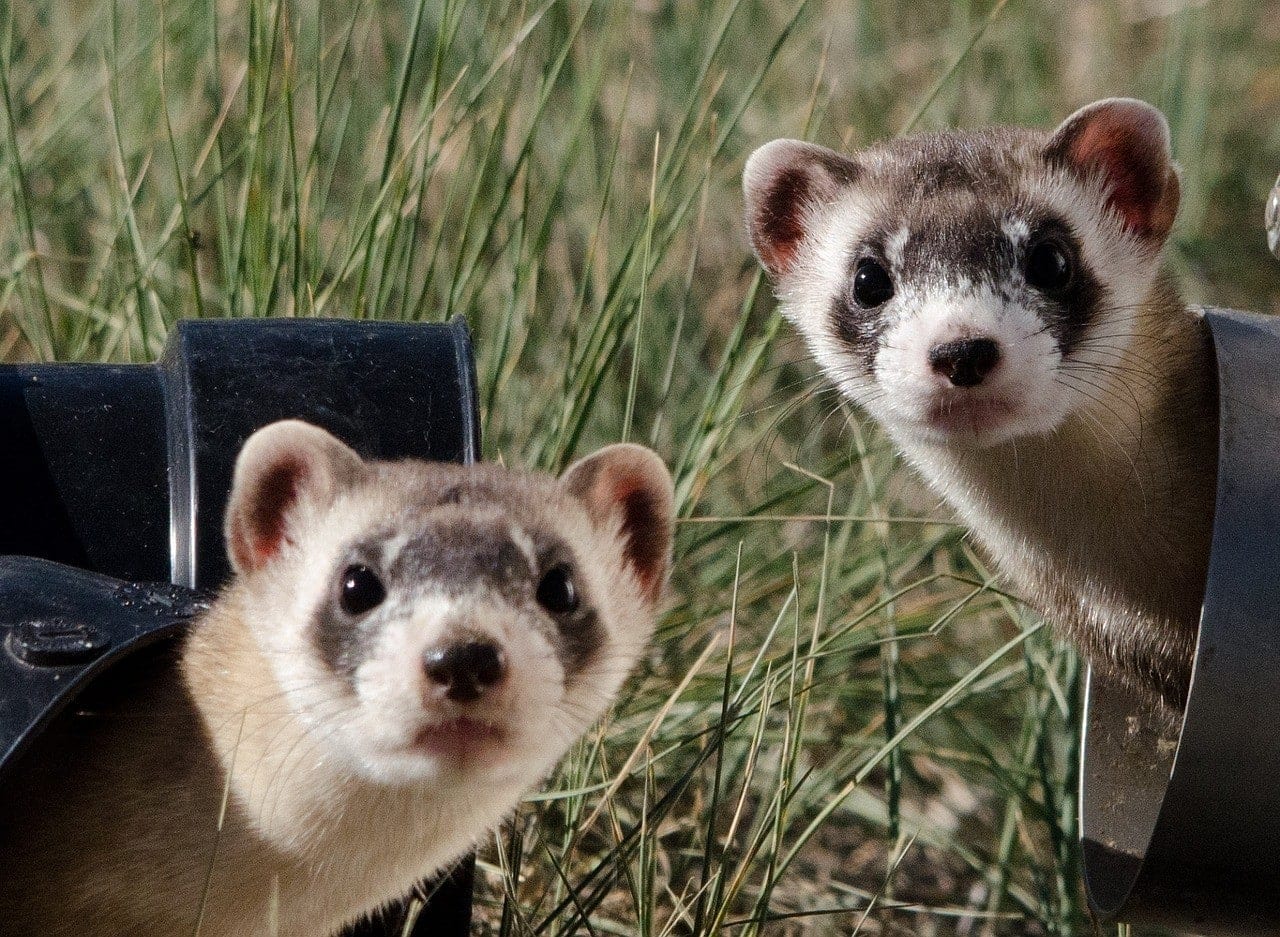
x=996 y=300
x=403 y=651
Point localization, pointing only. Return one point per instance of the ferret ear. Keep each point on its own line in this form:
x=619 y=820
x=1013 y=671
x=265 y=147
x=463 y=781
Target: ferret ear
x=630 y=485
x=281 y=468
x=1124 y=143
x=783 y=182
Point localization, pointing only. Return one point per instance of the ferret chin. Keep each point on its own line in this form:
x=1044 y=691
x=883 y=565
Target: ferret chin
x=403 y=651
x=995 y=299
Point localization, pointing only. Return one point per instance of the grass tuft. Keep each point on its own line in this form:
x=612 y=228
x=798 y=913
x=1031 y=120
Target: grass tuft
x=844 y=726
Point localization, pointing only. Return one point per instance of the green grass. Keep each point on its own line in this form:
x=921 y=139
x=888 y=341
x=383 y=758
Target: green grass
x=844 y=726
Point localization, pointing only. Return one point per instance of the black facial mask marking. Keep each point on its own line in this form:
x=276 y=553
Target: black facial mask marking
x=456 y=556
x=578 y=635
x=968 y=247
x=1067 y=312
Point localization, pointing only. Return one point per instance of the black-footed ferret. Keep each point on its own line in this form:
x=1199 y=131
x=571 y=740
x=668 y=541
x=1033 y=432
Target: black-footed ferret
x=404 y=650
x=995 y=299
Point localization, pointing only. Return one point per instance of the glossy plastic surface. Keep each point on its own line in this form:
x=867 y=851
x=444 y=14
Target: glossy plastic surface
x=1181 y=824
x=123 y=472
x=60 y=627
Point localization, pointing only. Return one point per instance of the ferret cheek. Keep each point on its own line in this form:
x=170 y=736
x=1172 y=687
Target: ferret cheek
x=537 y=676
x=388 y=701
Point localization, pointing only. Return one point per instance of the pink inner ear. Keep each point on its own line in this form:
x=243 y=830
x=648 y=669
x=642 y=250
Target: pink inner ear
x=1136 y=175
x=277 y=492
x=646 y=542
x=778 y=228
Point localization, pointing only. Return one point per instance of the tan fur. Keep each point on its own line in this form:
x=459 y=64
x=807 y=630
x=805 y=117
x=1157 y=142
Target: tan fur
x=1105 y=523
x=218 y=785
x=1094 y=491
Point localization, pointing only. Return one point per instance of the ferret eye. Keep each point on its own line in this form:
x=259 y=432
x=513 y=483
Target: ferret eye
x=872 y=285
x=1048 y=266
x=556 y=591
x=362 y=590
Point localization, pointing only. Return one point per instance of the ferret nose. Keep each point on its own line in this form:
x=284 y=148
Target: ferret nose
x=467 y=670
x=965 y=362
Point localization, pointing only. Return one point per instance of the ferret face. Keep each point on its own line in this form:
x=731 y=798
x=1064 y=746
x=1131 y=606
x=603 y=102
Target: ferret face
x=969 y=288
x=440 y=623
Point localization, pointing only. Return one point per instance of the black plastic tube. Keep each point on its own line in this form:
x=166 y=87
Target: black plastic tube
x=121 y=472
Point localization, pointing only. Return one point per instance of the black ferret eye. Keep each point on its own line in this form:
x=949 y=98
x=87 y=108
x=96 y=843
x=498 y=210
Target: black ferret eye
x=362 y=590
x=1048 y=266
x=556 y=591
x=872 y=285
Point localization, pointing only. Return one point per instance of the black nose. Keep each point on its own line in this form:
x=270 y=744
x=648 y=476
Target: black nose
x=465 y=671
x=965 y=362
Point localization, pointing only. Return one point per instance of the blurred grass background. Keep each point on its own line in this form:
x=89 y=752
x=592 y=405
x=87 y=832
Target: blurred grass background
x=845 y=727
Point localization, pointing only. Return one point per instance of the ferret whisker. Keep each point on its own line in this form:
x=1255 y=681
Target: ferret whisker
x=1118 y=446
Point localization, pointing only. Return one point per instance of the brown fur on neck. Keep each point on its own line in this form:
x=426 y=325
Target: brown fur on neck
x=1106 y=523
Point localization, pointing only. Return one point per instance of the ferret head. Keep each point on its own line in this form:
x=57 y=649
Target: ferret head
x=970 y=287
x=440 y=622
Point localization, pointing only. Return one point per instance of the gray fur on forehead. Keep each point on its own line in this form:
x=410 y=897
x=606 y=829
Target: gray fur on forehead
x=529 y=499
x=461 y=553
x=469 y=525
x=947 y=201
x=947 y=243
x=988 y=162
